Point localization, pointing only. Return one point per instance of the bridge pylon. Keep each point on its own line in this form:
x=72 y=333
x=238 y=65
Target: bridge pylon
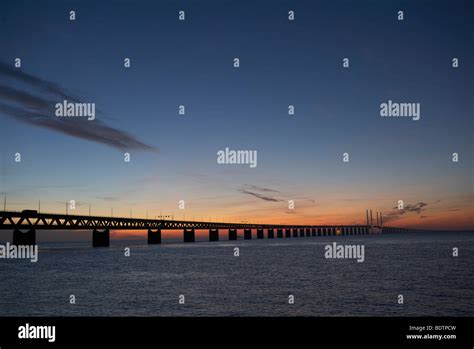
x=189 y=235
x=100 y=238
x=213 y=234
x=232 y=234
x=270 y=233
x=279 y=233
x=154 y=237
x=248 y=234
x=24 y=238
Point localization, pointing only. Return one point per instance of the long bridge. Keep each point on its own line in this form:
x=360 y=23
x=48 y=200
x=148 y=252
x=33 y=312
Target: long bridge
x=25 y=223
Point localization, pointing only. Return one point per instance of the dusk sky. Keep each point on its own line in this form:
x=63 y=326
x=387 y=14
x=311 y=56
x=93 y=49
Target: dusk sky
x=282 y=62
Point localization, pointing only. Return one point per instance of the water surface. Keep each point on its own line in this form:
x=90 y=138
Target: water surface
x=419 y=266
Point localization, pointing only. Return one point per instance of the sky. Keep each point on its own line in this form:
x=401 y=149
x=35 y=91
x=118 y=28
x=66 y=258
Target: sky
x=300 y=157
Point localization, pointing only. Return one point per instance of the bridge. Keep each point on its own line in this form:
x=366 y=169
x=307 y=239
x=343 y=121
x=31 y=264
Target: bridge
x=24 y=225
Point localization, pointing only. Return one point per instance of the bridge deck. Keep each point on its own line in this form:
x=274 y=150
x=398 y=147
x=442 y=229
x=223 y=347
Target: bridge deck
x=51 y=221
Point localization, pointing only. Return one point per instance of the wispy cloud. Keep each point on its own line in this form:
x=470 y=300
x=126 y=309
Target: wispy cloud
x=417 y=208
x=408 y=208
x=34 y=105
x=259 y=192
x=260 y=196
x=257 y=188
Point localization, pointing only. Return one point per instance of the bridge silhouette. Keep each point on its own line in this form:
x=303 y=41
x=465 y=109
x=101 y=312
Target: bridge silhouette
x=24 y=225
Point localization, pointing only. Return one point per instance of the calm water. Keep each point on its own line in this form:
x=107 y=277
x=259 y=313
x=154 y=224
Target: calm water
x=214 y=282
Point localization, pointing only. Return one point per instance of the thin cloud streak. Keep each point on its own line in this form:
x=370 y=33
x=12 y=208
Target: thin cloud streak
x=26 y=107
x=408 y=208
x=253 y=190
x=257 y=188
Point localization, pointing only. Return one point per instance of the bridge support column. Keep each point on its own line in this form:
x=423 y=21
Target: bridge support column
x=270 y=233
x=279 y=233
x=213 y=234
x=295 y=232
x=313 y=231
x=100 y=238
x=154 y=237
x=301 y=232
x=288 y=233
x=189 y=235
x=319 y=231
x=248 y=234
x=308 y=232
x=26 y=238
x=332 y=231
x=260 y=233
x=232 y=234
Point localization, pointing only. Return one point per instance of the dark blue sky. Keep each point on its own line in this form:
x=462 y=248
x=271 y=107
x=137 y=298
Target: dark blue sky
x=282 y=63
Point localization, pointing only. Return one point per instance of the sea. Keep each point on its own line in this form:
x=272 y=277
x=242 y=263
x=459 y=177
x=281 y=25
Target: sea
x=412 y=274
